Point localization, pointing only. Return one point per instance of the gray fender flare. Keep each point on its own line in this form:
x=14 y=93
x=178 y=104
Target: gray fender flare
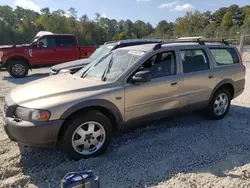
x=94 y=103
x=226 y=81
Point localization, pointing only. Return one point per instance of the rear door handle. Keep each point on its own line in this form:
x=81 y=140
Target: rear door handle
x=210 y=76
x=173 y=83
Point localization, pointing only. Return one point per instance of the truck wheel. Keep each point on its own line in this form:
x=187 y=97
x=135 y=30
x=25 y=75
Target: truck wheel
x=219 y=104
x=18 y=69
x=87 y=136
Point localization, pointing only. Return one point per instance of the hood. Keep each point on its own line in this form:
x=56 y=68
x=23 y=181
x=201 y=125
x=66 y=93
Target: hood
x=72 y=64
x=13 y=46
x=55 y=90
x=6 y=46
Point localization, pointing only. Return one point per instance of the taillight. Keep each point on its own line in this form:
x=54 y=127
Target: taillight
x=241 y=61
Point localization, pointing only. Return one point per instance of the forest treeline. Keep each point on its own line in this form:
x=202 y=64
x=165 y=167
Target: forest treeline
x=21 y=25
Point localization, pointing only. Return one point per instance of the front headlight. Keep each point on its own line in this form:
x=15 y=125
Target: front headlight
x=64 y=71
x=31 y=114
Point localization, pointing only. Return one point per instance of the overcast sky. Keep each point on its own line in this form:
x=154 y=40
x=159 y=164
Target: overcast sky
x=147 y=10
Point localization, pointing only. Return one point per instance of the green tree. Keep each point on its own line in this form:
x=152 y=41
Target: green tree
x=164 y=29
x=218 y=15
x=182 y=26
x=120 y=36
x=227 y=19
x=141 y=29
x=20 y=25
x=45 y=11
x=84 y=18
x=210 y=30
x=237 y=14
x=129 y=28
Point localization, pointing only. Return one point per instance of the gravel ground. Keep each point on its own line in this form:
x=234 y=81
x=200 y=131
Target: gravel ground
x=181 y=151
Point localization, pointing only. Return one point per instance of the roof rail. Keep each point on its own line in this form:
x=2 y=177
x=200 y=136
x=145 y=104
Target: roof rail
x=123 y=41
x=108 y=42
x=198 y=40
x=134 y=43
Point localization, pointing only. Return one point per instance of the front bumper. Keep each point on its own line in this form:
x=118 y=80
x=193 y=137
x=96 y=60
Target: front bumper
x=39 y=134
x=33 y=134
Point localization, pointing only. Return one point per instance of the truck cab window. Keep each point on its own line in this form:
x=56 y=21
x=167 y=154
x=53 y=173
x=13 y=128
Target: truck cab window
x=64 y=41
x=47 y=42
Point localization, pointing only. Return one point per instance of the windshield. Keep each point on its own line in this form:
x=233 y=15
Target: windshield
x=116 y=62
x=102 y=51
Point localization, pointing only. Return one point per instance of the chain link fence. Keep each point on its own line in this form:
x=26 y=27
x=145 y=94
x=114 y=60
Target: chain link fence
x=244 y=48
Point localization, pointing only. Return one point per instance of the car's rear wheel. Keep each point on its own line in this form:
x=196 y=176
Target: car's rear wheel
x=219 y=104
x=18 y=69
x=87 y=136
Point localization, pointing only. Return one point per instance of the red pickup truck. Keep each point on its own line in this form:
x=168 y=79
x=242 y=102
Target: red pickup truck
x=47 y=49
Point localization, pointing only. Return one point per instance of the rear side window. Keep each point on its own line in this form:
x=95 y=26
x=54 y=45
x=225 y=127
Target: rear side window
x=194 y=60
x=225 y=56
x=65 y=41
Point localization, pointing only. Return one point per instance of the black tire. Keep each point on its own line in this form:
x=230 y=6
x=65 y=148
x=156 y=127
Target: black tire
x=66 y=143
x=24 y=66
x=210 y=112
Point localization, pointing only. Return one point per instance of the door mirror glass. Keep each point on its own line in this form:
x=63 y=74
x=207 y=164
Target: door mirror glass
x=142 y=76
x=40 y=44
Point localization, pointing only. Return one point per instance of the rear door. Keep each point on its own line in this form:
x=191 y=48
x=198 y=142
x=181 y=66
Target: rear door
x=199 y=79
x=228 y=66
x=45 y=54
x=67 y=48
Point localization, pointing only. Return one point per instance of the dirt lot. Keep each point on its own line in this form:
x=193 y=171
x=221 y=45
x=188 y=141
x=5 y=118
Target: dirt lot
x=182 y=151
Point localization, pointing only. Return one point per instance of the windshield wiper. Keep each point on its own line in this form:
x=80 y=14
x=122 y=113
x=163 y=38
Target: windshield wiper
x=107 y=69
x=99 y=61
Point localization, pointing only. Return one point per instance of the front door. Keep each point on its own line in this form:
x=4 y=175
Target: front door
x=46 y=53
x=198 y=77
x=162 y=93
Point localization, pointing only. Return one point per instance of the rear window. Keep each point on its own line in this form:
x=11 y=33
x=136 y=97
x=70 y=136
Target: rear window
x=225 y=56
x=65 y=41
x=194 y=60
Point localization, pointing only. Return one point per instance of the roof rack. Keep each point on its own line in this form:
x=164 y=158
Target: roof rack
x=135 y=42
x=198 y=40
x=125 y=41
x=108 y=42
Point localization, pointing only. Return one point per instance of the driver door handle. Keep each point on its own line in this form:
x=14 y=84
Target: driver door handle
x=174 y=83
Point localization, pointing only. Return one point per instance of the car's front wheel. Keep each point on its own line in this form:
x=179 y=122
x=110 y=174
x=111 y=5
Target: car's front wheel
x=219 y=104
x=18 y=69
x=87 y=136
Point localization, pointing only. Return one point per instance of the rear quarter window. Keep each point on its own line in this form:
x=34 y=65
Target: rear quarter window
x=225 y=56
x=65 y=41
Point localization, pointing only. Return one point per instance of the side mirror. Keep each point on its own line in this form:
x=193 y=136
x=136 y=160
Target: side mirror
x=40 y=44
x=142 y=76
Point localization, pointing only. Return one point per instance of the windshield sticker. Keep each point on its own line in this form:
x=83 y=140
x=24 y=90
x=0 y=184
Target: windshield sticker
x=139 y=53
